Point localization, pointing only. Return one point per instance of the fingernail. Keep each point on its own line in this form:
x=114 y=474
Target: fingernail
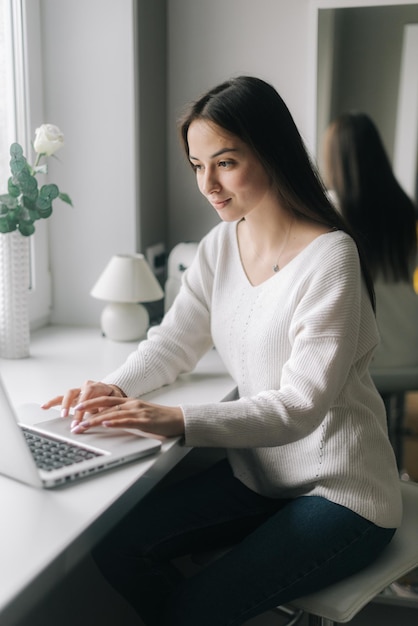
x=106 y=424
x=74 y=423
x=79 y=407
x=80 y=426
x=64 y=412
x=78 y=429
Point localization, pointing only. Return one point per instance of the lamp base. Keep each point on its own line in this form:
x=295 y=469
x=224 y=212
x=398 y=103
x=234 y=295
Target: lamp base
x=124 y=321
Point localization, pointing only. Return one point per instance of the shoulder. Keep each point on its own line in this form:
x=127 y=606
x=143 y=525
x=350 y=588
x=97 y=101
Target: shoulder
x=329 y=270
x=219 y=234
x=339 y=251
x=337 y=240
x=334 y=251
x=216 y=252
x=215 y=245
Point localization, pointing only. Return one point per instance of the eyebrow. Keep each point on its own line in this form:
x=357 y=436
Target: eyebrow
x=216 y=154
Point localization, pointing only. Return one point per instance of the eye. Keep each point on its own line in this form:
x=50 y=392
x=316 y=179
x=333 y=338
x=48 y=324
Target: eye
x=225 y=164
x=196 y=167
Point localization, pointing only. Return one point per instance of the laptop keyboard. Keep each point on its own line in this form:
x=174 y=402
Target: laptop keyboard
x=51 y=454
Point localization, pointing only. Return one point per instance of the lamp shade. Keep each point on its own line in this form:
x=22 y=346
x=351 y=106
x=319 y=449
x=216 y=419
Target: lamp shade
x=126 y=281
x=127 y=278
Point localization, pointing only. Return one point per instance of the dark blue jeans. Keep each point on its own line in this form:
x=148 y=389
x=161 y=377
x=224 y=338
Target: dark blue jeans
x=283 y=549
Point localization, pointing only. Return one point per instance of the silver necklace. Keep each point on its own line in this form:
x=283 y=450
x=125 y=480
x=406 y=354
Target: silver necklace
x=276 y=266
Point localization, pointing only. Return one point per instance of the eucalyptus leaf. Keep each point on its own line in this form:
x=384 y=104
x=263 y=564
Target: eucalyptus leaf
x=12 y=188
x=26 y=228
x=45 y=213
x=7 y=225
x=33 y=195
x=4 y=224
x=20 y=178
x=31 y=184
x=16 y=150
x=27 y=183
x=34 y=214
x=15 y=214
x=28 y=203
x=17 y=165
x=65 y=198
x=49 y=192
x=42 y=204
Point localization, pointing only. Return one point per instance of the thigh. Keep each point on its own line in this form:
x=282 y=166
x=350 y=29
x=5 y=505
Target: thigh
x=206 y=510
x=305 y=546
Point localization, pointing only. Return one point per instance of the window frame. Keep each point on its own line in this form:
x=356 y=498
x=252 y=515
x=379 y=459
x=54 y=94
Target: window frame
x=29 y=114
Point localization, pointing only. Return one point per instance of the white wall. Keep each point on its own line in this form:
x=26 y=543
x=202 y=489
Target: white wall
x=89 y=93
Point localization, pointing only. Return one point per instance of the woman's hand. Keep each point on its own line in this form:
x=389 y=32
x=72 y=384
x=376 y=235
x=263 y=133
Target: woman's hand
x=116 y=412
x=72 y=397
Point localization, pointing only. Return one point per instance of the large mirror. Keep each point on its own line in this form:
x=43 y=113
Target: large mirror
x=367 y=60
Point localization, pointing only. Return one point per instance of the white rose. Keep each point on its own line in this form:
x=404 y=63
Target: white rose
x=48 y=139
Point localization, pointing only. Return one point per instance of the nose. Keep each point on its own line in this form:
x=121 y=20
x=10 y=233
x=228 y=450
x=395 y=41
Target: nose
x=209 y=182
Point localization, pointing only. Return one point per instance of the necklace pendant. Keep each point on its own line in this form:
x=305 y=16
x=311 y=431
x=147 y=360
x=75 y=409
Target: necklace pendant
x=276 y=268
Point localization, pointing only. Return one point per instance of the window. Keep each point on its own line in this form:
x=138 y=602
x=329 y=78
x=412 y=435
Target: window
x=21 y=111
x=7 y=118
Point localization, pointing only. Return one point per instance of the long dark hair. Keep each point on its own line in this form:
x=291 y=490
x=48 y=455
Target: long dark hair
x=370 y=198
x=253 y=111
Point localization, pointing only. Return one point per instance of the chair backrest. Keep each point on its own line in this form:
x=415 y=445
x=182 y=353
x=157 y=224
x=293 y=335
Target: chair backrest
x=396 y=380
x=179 y=260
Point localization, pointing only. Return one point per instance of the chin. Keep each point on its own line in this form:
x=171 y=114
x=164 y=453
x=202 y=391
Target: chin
x=226 y=216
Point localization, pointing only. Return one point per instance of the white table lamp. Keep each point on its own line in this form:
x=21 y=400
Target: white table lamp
x=126 y=281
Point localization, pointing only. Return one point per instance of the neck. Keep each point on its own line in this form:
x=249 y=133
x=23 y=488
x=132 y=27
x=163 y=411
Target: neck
x=268 y=234
x=269 y=244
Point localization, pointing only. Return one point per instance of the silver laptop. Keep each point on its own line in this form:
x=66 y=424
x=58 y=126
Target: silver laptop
x=46 y=454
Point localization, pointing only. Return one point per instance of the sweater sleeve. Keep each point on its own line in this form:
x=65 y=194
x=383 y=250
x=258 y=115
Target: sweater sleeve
x=176 y=345
x=325 y=338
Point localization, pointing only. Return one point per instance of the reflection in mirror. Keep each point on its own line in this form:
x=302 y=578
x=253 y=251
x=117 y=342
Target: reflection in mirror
x=359 y=67
x=367 y=61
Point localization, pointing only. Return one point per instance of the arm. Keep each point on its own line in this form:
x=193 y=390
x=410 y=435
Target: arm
x=170 y=349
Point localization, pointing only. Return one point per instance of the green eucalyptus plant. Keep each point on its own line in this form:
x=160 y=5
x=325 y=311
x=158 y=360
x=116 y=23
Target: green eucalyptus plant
x=25 y=202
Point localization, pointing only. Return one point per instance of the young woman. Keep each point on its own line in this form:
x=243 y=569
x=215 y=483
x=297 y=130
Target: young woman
x=309 y=492
x=358 y=171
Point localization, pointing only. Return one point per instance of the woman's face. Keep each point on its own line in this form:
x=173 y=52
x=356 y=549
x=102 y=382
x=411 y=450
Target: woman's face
x=228 y=173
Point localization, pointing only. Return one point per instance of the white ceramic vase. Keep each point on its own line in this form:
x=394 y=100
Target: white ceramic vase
x=14 y=292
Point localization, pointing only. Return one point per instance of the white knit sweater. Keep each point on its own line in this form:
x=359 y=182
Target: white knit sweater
x=307 y=419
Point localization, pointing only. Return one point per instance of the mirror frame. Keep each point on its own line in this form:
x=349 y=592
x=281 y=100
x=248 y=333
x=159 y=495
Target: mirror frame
x=405 y=159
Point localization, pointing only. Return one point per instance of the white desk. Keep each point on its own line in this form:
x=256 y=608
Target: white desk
x=44 y=533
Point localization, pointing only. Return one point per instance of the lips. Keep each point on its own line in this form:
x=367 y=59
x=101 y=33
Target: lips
x=219 y=204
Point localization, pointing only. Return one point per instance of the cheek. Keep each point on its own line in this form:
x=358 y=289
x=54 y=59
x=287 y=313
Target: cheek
x=241 y=182
x=252 y=184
